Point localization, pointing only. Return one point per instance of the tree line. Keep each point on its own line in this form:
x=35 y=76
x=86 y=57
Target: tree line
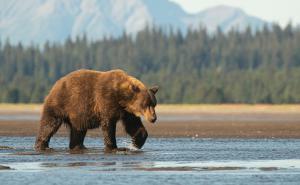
x=199 y=67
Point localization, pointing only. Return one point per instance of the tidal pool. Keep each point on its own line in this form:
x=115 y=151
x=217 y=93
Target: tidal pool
x=161 y=161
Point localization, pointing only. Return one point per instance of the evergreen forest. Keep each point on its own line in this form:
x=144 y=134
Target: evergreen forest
x=197 y=67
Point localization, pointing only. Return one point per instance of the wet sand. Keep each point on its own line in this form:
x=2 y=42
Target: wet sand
x=219 y=121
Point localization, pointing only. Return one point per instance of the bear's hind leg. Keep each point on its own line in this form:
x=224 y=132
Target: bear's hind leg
x=76 y=139
x=135 y=128
x=48 y=127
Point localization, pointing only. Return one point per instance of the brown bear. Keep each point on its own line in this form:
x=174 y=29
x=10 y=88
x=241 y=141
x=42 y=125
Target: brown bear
x=87 y=99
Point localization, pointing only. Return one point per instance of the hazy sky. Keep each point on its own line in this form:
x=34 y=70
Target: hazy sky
x=280 y=11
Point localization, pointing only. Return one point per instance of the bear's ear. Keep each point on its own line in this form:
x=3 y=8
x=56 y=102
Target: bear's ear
x=135 y=88
x=154 y=89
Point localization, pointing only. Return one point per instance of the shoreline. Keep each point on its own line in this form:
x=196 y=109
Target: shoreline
x=182 y=108
x=190 y=121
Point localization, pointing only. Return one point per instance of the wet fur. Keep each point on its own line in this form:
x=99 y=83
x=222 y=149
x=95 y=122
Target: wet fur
x=87 y=99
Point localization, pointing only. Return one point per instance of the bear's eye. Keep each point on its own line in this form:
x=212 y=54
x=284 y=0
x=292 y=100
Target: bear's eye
x=146 y=103
x=135 y=88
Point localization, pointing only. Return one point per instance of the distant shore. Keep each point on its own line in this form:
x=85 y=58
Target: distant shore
x=184 y=108
x=202 y=121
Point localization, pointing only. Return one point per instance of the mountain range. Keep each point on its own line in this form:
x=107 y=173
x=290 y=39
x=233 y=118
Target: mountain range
x=36 y=21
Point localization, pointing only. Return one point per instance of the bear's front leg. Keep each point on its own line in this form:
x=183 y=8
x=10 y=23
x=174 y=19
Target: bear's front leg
x=109 y=136
x=135 y=128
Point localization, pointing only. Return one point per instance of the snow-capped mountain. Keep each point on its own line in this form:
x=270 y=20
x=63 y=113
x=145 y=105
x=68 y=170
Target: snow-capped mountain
x=226 y=18
x=55 y=20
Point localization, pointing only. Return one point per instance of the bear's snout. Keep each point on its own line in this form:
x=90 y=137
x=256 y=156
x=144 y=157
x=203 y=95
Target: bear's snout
x=153 y=119
x=150 y=115
x=150 y=118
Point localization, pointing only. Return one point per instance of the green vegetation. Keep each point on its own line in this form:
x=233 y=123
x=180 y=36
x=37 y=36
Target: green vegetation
x=261 y=67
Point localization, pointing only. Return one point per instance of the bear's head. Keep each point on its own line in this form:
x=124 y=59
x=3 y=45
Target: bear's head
x=140 y=100
x=143 y=103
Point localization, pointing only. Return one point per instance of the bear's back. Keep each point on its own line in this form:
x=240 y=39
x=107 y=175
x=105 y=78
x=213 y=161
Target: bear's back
x=86 y=80
x=83 y=87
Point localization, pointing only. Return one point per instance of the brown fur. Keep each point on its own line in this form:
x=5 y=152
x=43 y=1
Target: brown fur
x=87 y=99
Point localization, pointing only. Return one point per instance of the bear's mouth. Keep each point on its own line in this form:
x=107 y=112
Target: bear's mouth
x=152 y=120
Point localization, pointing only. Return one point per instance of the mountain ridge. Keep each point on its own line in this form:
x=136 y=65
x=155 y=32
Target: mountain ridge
x=55 y=20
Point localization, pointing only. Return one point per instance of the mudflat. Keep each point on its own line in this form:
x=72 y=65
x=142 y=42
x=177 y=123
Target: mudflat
x=202 y=121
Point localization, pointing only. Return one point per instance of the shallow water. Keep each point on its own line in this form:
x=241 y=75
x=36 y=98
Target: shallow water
x=162 y=161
